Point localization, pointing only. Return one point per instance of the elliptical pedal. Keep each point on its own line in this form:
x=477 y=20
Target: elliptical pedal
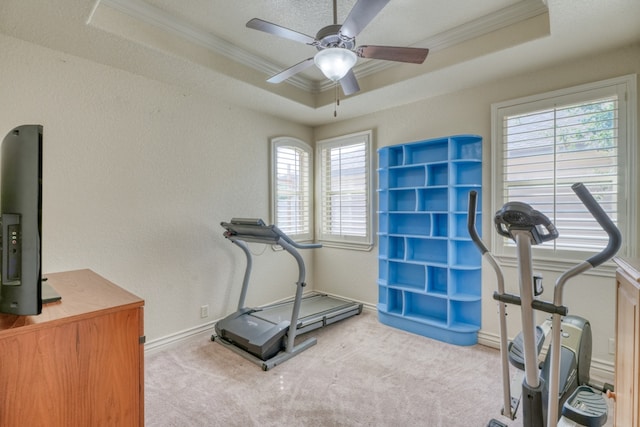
x=586 y=407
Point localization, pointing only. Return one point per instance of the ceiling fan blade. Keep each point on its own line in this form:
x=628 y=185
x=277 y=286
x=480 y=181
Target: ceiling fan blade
x=414 y=55
x=360 y=16
x=295 y=69
x=349 y=83
x=277 y=30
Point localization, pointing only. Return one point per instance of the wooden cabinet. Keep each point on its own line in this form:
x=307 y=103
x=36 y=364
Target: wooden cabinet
x=79 y=363
x=627 y=365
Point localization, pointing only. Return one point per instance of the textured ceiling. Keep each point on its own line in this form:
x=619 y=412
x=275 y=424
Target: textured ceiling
x=400 y=23
x=204 y=45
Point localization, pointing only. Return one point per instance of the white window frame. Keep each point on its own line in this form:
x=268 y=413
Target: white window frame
x=344 y=240
x=306 y=233
x=625 y=87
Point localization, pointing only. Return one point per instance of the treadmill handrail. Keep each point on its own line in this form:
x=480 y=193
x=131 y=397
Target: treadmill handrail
x=296 y=244
x=255 y=230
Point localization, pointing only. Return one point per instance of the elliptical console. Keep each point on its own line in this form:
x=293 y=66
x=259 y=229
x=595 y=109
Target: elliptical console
x=522 y=217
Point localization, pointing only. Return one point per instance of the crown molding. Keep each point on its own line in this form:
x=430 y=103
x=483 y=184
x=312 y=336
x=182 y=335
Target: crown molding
x=152 y=15
x=140 y=10
x=502 y=18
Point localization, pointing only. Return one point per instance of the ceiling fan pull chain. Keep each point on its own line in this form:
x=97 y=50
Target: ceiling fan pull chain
x=337 y=98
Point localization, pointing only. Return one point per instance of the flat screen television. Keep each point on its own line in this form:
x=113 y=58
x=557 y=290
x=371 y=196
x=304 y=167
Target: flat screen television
x=21 y=216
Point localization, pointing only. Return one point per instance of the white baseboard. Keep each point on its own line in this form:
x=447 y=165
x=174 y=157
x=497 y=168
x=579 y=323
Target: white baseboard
x=489 y=340
x=205 y=329
x=176 y=338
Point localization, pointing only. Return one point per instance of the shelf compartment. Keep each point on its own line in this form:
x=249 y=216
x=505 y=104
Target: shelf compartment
x=465 y=284
x=433 y=199
x=395 y=248
x=440 y=225
x=393 y=302
x=382 y=295
x=459 y=225
x=383 y=222
x=437 y=282
x=466 y=147
x=383 y=201
x=460 y=198
x=390 y=156
x=407 y=275
x=402 y=200
x=383 y=246
x=465 y=315
x=407 y=176
x=462 y=336
x=427 y=152
x=413 y=224
x=464 y=253
x=427 y=250
x=426 y=308
x=383 y=269
x=466 y=173
x=437 y=174
x=383 y=179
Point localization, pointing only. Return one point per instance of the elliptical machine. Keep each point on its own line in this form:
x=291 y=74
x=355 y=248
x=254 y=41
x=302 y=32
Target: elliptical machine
x=562 y=380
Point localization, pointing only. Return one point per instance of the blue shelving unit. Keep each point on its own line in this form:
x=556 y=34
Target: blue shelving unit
x=429 y=275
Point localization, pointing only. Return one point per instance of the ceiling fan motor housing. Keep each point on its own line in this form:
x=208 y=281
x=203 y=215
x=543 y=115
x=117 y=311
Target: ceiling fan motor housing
x=339 y=42
x=330 y=36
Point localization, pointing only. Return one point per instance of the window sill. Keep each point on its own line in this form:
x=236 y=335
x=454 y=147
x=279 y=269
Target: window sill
x=364 y=247
x=607 y=269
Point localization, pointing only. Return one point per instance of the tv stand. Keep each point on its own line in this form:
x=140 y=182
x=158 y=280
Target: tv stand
x=80 y=362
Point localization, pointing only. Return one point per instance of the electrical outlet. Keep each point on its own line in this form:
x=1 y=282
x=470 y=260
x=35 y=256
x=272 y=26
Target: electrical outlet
x=204 y=311
x=612 y=346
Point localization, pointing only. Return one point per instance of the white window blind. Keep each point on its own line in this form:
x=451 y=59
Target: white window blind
x=345 y=190
x=291 y=187
x=545 y=145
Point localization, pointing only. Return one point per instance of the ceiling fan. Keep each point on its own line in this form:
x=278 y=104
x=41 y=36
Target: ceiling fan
x=336 y=44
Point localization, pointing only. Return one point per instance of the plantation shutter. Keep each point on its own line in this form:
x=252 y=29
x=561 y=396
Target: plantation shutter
x=344 y=190
x=292 y=198
x=548 y=150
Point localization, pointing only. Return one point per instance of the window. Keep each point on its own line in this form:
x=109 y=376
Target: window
x=291 y=161
x=344 y=191
x=544 y=144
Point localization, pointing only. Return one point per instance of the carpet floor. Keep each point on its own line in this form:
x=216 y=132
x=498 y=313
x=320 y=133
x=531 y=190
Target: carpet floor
x=360 y=373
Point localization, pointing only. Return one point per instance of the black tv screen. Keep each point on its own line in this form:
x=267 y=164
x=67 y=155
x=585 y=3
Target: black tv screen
x=21 y=207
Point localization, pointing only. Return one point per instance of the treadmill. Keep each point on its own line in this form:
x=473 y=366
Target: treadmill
x=263 y=335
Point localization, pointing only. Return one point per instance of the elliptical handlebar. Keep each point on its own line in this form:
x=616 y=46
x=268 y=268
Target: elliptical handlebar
x=508 y=409
x=471 y=223
x=615 y=238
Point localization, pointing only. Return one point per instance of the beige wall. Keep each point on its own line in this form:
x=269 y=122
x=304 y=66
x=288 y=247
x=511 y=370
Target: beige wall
x=137 y=177
x=138 y=174
x=469 y=111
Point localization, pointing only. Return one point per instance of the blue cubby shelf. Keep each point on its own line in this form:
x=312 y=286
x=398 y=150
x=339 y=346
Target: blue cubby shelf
x=456 y=334
x=429 y=271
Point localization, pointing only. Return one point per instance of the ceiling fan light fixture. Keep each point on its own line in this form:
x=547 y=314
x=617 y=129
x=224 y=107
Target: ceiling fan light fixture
x=335 y=62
